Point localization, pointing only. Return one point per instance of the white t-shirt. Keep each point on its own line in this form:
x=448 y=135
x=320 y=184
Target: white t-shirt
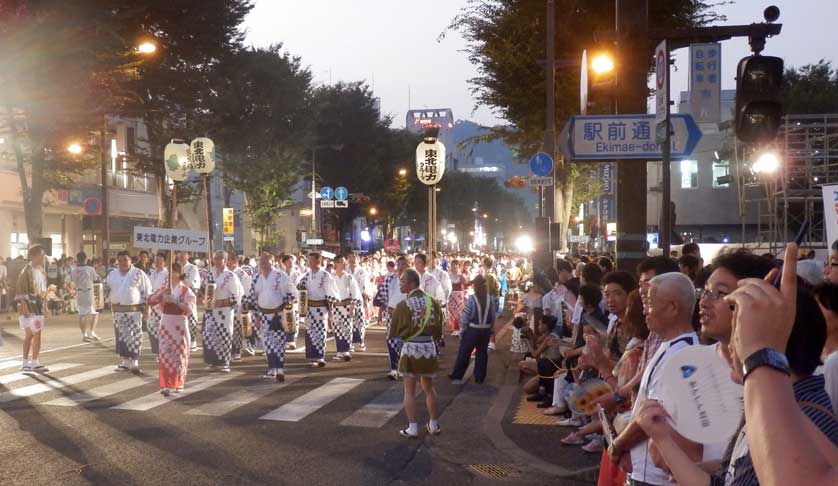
x=642 y=466
x=830 y=376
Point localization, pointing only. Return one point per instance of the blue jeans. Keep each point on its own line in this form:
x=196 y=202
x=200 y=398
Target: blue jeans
x=471 y=339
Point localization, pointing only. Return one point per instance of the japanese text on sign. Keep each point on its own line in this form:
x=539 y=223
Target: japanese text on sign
x=619 y=136
x=705 y=82
x=430 y=162
x=170 y=239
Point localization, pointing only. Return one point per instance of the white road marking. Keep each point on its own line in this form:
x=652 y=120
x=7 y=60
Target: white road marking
x=101 y=392
x=155 y=399
x=13 y=377
x=55 y=384
x=10 y=364
x=381 y=409
x=312 y=401
x=302 y=349
x=240 y=398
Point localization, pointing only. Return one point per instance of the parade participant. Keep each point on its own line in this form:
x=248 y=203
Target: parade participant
x=417 y=323
x=390 y=294
x=320 y=293
x=240 y=313
x=478 y=320
x=457 y=298
x=429 y=283
x=380 y=299
x=219 y=316
x=127 y=289
x=444 y=280
x=269 y=294
x=359 y=322
x=159 y=278
x=143 y=261
x=348 y=297
x=175 y=305
x=193 y=279
x=31 y=290
x=293 y=275
x=83 y=277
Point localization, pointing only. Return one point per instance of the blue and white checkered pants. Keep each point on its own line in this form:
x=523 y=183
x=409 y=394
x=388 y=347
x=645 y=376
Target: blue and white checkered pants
x=316 y=322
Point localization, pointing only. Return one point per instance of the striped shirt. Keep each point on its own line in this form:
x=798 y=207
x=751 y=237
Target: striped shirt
x=814 y=403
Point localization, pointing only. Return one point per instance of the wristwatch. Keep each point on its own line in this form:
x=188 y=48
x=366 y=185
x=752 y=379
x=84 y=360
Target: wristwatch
x=766 y=357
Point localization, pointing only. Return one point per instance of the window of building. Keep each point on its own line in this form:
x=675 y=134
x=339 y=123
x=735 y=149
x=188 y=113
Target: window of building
x=130 y=140
x=18 y=244
x=689 y=174
x=721 y=169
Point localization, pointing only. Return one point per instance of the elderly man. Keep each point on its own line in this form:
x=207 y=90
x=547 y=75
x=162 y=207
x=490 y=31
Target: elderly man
x=193 y=280
x=417 y=323
x=241 y=314
x=359 y=322
x=219 y=315
x=668 y=309
x=127 y=289
x=320 y=292
x=269 y=294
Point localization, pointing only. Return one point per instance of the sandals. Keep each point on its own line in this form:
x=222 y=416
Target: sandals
x=405 y=433
x=573 y=439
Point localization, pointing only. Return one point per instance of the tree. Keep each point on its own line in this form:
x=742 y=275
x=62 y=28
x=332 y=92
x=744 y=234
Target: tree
x=506 y=43
x=260 y=114
x=811 y=89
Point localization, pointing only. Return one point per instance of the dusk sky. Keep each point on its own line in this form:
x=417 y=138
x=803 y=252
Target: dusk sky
x=392 y=44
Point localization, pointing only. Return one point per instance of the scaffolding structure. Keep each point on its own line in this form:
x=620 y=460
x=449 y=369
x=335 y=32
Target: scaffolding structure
x=781 y=202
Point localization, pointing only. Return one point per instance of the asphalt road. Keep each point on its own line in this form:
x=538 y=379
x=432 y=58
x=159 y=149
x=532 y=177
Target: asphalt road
x=84 y=423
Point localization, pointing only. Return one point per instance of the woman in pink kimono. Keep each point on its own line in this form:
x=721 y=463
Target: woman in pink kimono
x=178 y=305
x=457 y=299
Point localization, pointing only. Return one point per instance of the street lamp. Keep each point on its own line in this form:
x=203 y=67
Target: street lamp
x=147 y=47
x=373 y=211
x=402 y=172
x=74 y=148
x=767 y=163
x=602 y=63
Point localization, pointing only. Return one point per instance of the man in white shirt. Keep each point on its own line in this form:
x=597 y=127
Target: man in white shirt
x=390 y=292
x=193 y=280
x=83 y=278
x=269 y=294
x=445 y=282
x=127 y=288
x=219 y=316
x=359 y=323
x=669 y=312
x=240 y=314
x=348 y=296
x=429 y=283
x=292 y=308
x=159 y=278
x=31 y=292
x=320 y=294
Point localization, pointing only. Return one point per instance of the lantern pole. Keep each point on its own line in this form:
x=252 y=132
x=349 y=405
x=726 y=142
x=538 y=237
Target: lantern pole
x=209 y=214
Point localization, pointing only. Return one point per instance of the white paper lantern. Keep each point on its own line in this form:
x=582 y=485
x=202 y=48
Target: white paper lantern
x=203 y=155
x=430 y=161
x=176 y=161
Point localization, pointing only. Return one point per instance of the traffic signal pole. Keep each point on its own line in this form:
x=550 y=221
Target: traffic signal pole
x=634 y=54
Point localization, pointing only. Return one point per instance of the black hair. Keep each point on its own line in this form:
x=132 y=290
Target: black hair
x=660 y=264
x=422 y=257
x=81 y=257
x=827 y=295
x=606 y=264
x=744 y=264
x=808 y=335
x=123 y=253
x=552 y=275
x=693 y=264
x=142 y=252
x=702 y=275
x=690 y=249
x=285 y=258
x=487 y=262
x=541 y=281
x=401 y=258
x=592 y=273
x=519 y=322
x=564 y=265
x=390 y=263
x=549 y=321
x=572 y=286
x=623 y=279
x=590 y=294
x=34 y=250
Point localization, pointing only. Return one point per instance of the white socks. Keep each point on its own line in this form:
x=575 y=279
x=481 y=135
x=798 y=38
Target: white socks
x=412 y=428
x=433 y=424
x=559 y=384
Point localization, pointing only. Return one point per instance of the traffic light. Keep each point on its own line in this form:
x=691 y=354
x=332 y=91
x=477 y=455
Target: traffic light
x=759 y=109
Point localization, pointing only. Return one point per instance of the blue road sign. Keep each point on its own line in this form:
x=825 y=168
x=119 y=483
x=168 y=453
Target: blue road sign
x=341 y=193
x=541 y=164
x=626 y=137
x=326 y=193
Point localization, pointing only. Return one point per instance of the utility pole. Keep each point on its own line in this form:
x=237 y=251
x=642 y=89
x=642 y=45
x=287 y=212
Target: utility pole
x=103 y=160
x=633 y=47
x=546 y=202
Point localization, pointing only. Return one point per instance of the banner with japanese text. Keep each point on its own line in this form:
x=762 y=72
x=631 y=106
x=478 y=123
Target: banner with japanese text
x=830 y=213
x=170 y=239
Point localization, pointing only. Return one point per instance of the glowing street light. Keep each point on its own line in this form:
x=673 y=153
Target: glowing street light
x=524 y=244
x=402 y=172
x=485 y=216
x=74 y=148
x=767 y=163
x=373 y=211
x=147 y=48
x=602 y=63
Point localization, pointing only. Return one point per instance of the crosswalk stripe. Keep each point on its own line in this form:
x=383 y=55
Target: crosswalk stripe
x=155 y=399
x=13 y=377
x=10 y=364
x=380 y=410
x=240 y=398
x=101 y=391
x=302 y=349
x=312 y=401
x=55 y=384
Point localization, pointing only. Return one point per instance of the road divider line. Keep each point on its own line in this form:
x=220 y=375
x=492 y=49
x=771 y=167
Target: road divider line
x=312 y=401
x=13 y=377
x=101 y=391
x=54 y=384
x=240 y=398
x=153 y=400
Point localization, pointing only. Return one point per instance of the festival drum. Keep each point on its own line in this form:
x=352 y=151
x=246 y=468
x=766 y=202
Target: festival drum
x=99 y=296
x=209 y=296
x=303 y=303
x=247 y=325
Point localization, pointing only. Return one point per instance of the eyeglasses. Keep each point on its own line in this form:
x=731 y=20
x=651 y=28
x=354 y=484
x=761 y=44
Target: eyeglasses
x=831 y=264
x=711 y=294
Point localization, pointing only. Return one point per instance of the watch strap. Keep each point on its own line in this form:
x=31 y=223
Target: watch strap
x=765 y=357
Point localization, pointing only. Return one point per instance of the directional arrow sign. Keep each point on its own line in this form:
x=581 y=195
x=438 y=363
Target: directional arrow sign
x=326 y=193
x=341 y=193
x=625 y=137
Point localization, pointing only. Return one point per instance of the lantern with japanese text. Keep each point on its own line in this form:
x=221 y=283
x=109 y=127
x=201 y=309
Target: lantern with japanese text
x=430 y=161
x=203 y=155
x=176 y=161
